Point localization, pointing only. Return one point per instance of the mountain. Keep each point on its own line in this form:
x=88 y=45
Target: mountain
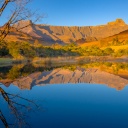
x=47 y=34
x=122 y=36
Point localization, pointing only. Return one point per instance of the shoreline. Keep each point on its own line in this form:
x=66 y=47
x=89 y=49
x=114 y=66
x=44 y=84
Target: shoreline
x=68 y=59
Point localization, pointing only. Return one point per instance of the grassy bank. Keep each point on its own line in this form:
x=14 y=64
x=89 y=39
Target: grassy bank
x=63 y=60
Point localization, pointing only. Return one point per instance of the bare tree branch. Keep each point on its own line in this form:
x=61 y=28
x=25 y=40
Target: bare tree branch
x=2 y=118
x=13 y=105
x=6 y=2
x=19 y=12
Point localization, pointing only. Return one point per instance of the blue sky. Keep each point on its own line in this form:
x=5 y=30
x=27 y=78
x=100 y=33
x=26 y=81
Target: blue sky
x=81 y=12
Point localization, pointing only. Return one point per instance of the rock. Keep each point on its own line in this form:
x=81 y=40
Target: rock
x=23 y=23
x=66 y=34
x=118 y=22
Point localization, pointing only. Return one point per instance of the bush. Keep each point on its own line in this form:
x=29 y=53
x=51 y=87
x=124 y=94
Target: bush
x=108 y=51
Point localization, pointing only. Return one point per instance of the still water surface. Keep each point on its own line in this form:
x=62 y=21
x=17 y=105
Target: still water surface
x=74 y=106
x=65 y=105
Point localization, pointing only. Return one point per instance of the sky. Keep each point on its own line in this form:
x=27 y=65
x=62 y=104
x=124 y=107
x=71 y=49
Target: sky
x=80 y=12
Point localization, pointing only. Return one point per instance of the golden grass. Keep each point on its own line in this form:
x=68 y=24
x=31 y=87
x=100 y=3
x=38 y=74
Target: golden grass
x=93 y=43
x=116 y=48
x=122 y=37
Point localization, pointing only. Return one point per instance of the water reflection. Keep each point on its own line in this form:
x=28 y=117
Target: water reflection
x=68 y=105
x=64 y=76
x=75 y=106
x=26 y=76
x=17 y=107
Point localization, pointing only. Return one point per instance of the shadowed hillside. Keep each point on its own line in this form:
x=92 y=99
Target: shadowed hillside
x=122 y=37
x=48 y=35
x=115 y=40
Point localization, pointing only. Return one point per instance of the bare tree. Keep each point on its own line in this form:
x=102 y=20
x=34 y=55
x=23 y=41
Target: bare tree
x=18 y=11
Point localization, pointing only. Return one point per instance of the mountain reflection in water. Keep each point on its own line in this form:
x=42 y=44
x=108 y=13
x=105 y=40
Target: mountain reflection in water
x=75 y=97
x=27 y=76
x=72 y=106
x=63 y=76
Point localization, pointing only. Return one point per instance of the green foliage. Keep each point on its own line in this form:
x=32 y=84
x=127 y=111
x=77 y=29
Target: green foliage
x=91 y=51
x=14 y=49
x=121 y=52
x=22 y=50
x=108 y=51
x=14 y=72
x=108 y=64
x=70 y=67
x=27 y=50
x=3 y=49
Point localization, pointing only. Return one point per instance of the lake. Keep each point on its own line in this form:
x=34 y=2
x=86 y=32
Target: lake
x=91 y=95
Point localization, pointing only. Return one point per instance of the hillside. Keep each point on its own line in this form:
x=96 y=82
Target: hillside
x=48 y=35
x=115 y=40
x=122 y=37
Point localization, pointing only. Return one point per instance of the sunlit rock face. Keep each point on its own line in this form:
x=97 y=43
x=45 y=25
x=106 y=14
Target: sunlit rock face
x=66 y=34
x=118 y=22
x=63 y=76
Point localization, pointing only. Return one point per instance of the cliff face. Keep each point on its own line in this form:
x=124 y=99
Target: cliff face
x=65 y=34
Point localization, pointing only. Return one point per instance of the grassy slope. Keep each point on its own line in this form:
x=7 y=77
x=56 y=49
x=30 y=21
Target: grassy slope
x=116 y=48
x=93 y=43
x=123 y=36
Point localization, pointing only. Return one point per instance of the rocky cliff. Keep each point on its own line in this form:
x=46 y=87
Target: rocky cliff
x=64 y=34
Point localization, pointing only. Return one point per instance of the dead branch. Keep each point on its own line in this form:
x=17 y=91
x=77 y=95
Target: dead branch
x=13 y=105
x=18 y=13
x=2 y=118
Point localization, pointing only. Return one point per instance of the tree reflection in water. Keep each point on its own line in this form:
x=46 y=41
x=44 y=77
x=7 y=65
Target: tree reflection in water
x=18 y=106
